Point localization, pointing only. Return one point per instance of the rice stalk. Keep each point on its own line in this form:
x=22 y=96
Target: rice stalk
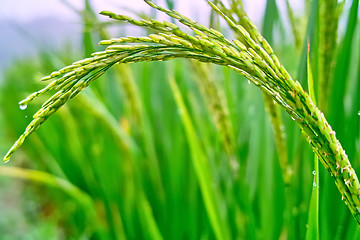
x=251 y=57
x=138 y=124
x=201 y=166
x=215 y=100
x=294 y=26
x=329 y=18
x=312 y=231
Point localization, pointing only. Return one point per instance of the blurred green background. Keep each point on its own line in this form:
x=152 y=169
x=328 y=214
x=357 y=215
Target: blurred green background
x=123 y=161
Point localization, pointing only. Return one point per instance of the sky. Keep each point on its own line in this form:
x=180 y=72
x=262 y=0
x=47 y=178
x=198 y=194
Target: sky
x=25 y=10
x=19 y=16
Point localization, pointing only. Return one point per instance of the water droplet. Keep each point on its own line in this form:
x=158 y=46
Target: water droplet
x=23 y=107
x=26 y=116
x=359 y=113
x=314 y=173
x=248 y=81
x=314 y=184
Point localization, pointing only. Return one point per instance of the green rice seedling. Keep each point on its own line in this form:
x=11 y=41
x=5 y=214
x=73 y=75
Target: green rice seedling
x=250 y=55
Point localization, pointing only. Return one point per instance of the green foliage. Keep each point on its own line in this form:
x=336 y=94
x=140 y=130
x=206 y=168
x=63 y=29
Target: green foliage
x=193 y=157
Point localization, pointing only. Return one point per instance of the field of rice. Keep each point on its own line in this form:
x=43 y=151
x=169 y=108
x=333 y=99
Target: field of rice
x=213 y=130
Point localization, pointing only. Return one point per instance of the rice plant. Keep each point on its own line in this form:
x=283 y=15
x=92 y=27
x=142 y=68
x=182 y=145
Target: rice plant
x=222 y=175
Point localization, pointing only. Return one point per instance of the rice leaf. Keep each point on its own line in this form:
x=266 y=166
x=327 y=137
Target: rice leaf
x=202 y=169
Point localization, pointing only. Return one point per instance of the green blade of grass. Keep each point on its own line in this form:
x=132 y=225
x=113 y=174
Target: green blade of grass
x=313 y=216
x=310 y=76
x=310 y=35
x=148 y=219
x=294 y=26
x=202 y=170
x=95 y=106
x=77 y=194
x=87 y=34
x=328 y=25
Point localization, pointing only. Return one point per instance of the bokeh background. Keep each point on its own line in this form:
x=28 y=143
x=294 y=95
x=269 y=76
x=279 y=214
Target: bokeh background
x=116 y=163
